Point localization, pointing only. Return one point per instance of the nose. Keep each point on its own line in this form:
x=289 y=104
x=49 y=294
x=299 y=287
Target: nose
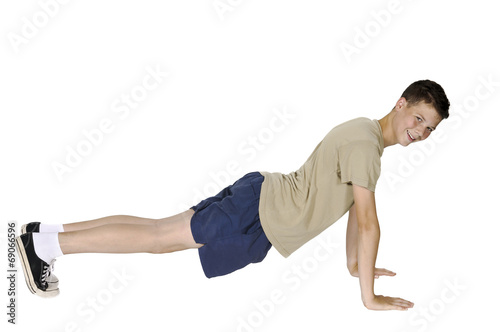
x=422 y=132
x=418 y=132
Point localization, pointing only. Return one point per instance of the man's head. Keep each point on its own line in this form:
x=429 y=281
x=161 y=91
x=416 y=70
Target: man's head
x=417 y=113
x=430 y=93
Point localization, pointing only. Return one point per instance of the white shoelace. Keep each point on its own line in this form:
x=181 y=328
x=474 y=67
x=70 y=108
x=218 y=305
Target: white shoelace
x=47 y=269
x=51 y=265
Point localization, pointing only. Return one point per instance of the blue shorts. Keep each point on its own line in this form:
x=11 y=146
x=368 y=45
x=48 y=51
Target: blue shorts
x=228 y=225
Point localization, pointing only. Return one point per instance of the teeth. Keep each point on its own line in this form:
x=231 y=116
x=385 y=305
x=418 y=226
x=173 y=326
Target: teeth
x=411 y=136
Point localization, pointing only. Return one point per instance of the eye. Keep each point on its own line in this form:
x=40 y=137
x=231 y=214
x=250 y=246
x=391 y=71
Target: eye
x=429 y=129
x=419 y=119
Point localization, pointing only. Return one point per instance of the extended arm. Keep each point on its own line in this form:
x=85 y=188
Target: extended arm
x=368 y=236
x=368 y=240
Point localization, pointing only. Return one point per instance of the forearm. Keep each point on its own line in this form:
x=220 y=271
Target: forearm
x=368 y=241
x=352 y=242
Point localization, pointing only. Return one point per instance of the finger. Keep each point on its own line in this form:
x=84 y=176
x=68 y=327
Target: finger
x=384 y=272
x=388 y=272
x=403 y=303
x=397 y=306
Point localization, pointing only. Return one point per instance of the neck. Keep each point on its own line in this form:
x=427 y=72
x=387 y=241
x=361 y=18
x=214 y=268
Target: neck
x=387 y=130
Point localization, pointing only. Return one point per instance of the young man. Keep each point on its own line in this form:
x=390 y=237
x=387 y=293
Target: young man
x=239 y=225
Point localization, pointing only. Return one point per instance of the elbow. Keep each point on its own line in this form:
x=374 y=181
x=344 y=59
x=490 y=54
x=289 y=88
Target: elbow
x=352 y=263
x=352 y=267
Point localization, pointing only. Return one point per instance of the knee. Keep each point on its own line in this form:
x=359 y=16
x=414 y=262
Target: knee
x=166 y=237
x=158 y=243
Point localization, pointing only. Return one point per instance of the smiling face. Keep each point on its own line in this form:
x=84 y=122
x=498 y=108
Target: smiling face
x=414 y=123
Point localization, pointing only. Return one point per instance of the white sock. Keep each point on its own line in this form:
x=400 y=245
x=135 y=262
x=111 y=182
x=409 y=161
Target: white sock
x=49 y=228
x=47 y=246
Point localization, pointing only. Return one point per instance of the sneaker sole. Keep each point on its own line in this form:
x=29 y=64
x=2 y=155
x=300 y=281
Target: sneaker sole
x=28 y=276
x=23 y=229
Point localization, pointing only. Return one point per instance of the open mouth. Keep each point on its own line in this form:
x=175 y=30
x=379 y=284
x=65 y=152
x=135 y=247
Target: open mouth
x=409 y=136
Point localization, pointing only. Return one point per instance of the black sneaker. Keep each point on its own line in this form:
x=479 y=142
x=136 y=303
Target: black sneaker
x=34 y=227
x=35 y=269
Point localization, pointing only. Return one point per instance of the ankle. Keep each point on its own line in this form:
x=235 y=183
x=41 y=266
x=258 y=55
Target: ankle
x=47 y=246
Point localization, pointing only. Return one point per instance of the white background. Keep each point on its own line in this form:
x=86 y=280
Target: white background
x=229 y=73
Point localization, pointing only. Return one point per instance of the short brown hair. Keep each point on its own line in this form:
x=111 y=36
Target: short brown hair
x=430 y=93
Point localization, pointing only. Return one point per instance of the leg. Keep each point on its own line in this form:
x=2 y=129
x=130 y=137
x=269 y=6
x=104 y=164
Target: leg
x=78 y=226
x=142 y=235
x=37 y=254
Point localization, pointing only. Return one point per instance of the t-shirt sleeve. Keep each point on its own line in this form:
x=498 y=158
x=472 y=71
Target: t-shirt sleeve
x=359 y=164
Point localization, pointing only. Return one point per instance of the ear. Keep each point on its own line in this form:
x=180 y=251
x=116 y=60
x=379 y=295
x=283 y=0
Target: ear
x=401 y=103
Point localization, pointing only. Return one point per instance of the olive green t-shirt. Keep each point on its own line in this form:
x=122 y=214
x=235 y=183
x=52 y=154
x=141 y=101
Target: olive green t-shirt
x=296 y=207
